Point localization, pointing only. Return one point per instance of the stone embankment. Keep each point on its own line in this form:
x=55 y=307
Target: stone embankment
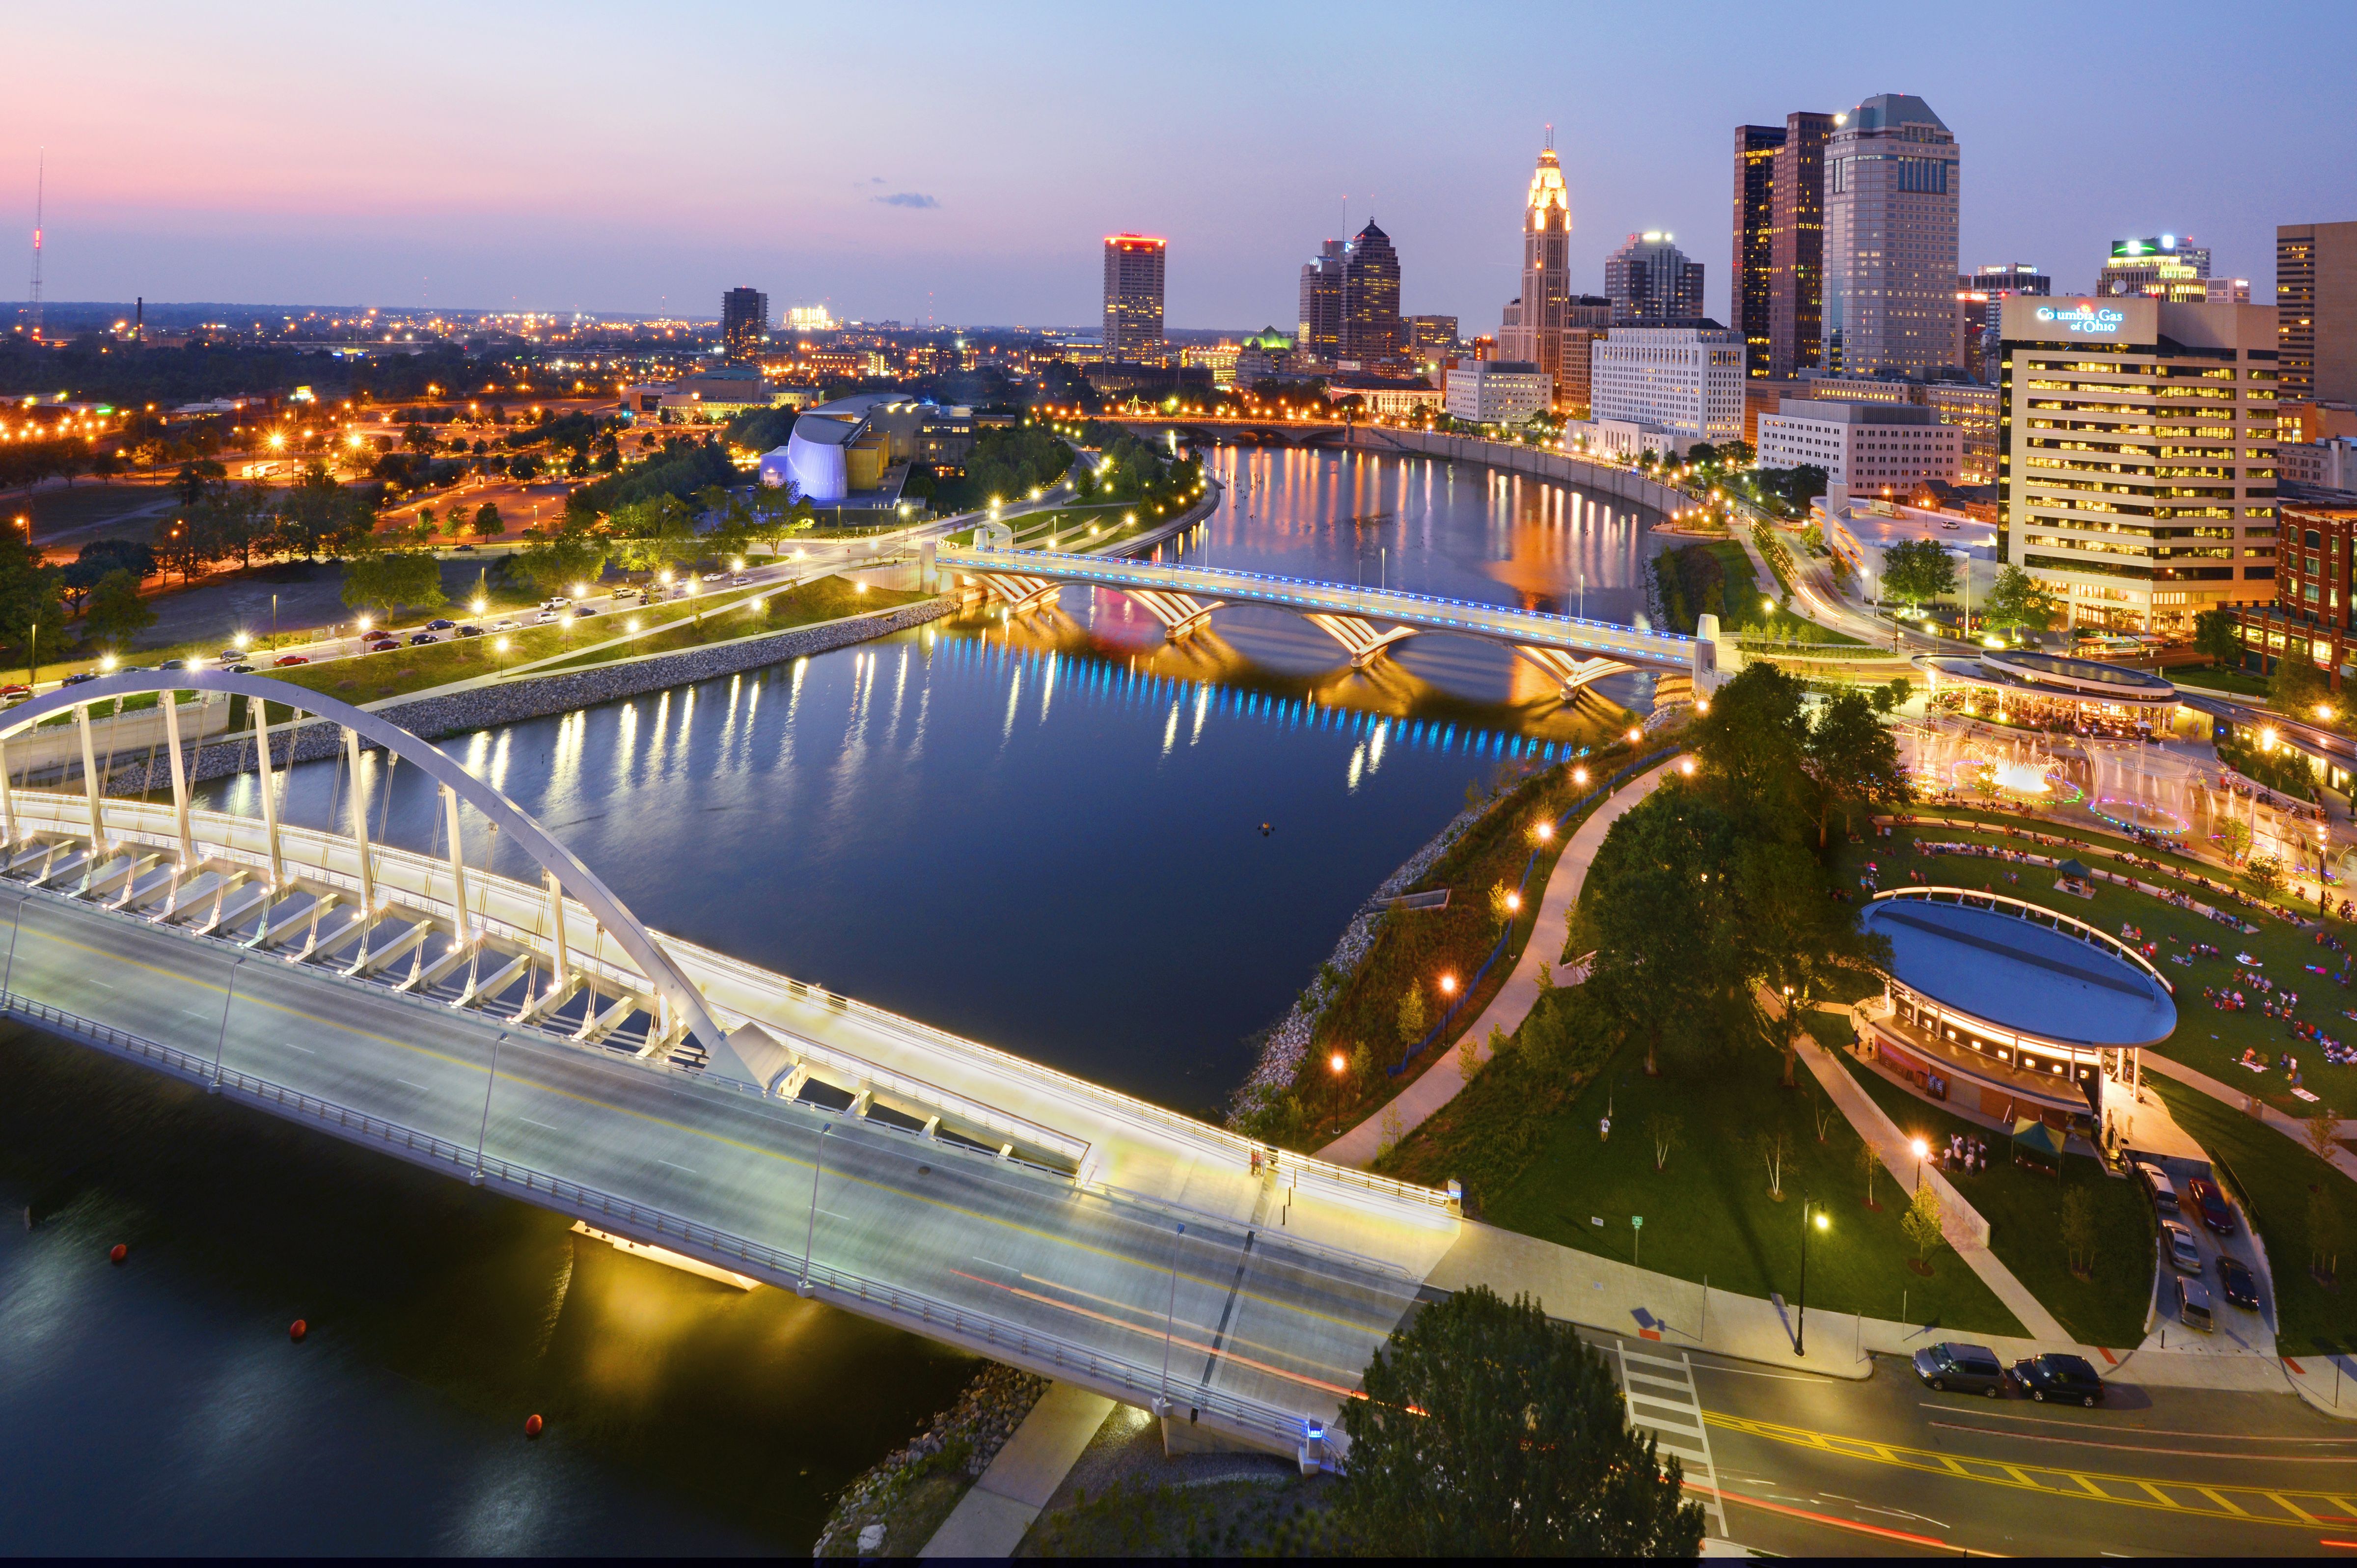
x=436 y=715
x=888 y=1511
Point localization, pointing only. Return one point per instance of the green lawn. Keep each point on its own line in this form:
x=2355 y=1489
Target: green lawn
x=1710 y=1213
x=2023 y=1209
x=2234 y=680
x=2276 y=1179
x=823 y=599
x=2206 y=1038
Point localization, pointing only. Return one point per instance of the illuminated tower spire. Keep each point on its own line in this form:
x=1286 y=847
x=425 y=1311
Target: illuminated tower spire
x=40 y=194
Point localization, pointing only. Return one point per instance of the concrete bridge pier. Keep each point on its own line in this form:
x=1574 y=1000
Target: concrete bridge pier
x=1358 y=638
x=1181 y=614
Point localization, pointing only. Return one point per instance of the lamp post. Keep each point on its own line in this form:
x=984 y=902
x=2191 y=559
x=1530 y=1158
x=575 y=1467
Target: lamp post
x=1812 y=1218
x=1170 y=1314
x=221 y=1046
x=1922 y=1149
x=1340 y=1063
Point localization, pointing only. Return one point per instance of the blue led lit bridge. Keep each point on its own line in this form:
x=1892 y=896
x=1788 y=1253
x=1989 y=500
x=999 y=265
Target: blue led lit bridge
x=1365 y=621
x=483 y=1006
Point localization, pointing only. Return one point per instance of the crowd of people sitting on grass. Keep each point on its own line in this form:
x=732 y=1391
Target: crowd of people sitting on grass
x=2217 y=890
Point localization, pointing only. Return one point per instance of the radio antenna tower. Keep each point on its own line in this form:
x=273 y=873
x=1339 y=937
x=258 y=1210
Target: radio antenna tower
x=40 y=194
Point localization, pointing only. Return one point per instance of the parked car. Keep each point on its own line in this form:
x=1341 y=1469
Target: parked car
x=419 y=639
x=545 y=617
x=583 y=611
x=286 y=660
x=78 y=679
x=2211 y=1205
x=173 y=664
x=440 y=625
x=503 y=625
x=15 y=692
x=465 y=549
x=241 y=669
x=384 y=645
x=2067 y=1379
x=556 y=603
x=2156 y=1184
x=2235 y=1283
x=2182 y=1249
x=739 y=580
x=2193 y=1304
x=1968 y=1368
x=470 y=631
x=229 y=656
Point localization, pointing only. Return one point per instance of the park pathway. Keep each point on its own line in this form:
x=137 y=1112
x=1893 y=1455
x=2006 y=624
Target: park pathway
x=1441 y=1082
x=2292 y=1127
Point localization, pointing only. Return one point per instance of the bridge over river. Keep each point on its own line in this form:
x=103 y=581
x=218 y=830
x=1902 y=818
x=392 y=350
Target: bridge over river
x=531 y=1037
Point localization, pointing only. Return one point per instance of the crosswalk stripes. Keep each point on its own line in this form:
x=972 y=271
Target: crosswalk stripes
x=1663 y=1400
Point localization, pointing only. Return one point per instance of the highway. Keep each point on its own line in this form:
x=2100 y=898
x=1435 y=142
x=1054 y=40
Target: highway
x=1233 y=1308
x=1820 y=1465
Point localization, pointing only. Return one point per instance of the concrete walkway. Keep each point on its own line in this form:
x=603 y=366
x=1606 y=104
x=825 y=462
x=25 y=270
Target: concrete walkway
x=2292 y=1127
x=1966 y=1230
x=1442 y=1081
x=990 y=1519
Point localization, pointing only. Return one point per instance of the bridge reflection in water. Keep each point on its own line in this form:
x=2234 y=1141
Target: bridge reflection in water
x=536 y=1039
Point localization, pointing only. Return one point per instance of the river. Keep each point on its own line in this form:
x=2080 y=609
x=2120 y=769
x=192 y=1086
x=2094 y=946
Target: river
x=1065 y=838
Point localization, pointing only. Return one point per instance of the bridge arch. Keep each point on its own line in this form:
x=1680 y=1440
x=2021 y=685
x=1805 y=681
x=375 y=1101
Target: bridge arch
x=661 y=972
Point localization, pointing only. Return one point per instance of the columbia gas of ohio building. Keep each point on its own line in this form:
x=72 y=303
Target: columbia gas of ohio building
x=2136 y=457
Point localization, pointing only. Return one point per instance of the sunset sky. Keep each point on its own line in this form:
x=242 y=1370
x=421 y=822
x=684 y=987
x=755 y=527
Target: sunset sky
x=960 y=164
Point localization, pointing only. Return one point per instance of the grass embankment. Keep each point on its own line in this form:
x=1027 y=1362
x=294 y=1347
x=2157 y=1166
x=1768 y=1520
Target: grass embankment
x=2277 y=1181
x=2208 y=1039
x=2238 y=682
x=1414 y=949
x=1527 y=1144
x=822 y=599
x=2024 y=1211
x=1717 y=578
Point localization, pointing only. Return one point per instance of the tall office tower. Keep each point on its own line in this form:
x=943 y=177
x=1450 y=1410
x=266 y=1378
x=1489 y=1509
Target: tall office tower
x=1531 y=327
x=1796 y=257
x=744 y=321
x=1891 y=183
x=2315 y=302
x=1372 y=333
x=1133 y=297
x=1980 y=300
x=1651 y=283
x=1321 y=302
x=1752 y=285
x=2136 y=457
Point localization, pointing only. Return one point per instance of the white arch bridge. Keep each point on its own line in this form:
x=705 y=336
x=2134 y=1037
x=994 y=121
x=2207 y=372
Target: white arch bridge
x=1366 y=621
x=531 y=1036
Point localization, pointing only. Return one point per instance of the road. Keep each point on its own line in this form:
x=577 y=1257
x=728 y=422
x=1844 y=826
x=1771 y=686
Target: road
x=1810 y=1465
x=1233 y=1308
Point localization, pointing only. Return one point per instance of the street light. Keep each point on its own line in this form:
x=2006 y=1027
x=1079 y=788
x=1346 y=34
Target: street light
x=1922 y=1151
x=1341 y=1064
x=1812 y=1218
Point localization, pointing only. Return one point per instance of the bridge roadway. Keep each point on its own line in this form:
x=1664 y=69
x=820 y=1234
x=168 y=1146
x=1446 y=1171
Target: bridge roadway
x=1267 y=1319
x=1573 y=650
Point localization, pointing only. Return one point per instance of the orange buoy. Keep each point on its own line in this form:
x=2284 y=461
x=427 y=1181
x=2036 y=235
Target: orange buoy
x=296 y=1329
x=117 y=1253
x=532 y=1424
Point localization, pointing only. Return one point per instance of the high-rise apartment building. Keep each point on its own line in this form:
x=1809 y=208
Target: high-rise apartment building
x=1371 y=334
x=1651 y=283
x=1321 y=303
x=1531 y=327
x=744 y=321
x=1133 y=297
x=2136 y=465
x=1751 y=284
x=1892 y=188
x=2316 y=301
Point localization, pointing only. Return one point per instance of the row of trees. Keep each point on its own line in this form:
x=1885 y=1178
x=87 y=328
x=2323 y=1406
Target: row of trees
x=1917 y=571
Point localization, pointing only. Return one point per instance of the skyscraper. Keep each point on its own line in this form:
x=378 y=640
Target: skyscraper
x=1892 y=186
x=744 y=321
x=1321 y=303
x=2316 y=304
x=1133 y=297
x=1980 y=305
x=1372 y=333
x=1651 y=283
x=1752 y=281
x=1796 y=259
x=1531 y=327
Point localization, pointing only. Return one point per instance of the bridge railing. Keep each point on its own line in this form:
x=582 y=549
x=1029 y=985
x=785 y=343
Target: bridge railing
x=1048 y=1353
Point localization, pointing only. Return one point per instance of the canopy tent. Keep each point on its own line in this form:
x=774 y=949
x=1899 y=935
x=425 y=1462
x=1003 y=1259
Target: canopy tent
x=2072 y=869
x=2037 y=1144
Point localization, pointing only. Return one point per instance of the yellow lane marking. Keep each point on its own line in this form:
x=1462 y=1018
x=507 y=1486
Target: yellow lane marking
x=2091 y=1486
x=956 y=1211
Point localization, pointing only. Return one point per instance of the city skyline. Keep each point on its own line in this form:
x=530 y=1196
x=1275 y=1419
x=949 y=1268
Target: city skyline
x=497 y=189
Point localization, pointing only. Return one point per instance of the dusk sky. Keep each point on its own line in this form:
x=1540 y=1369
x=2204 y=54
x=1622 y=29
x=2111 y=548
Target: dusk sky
x=960 y=164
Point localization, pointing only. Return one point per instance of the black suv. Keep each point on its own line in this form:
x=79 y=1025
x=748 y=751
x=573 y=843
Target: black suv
x=1968 y=1368
x=2065 y=1379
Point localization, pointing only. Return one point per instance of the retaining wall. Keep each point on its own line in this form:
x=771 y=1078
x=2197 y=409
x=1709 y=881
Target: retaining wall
x=1596 y=479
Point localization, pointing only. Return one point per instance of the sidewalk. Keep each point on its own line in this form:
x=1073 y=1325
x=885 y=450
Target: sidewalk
x=1444 y=1079
x=2292 y=1127
x=991 y=1519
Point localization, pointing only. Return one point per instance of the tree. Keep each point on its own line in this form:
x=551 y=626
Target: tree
x=1853 y=759
x=2080 y=1231
x=1869 y=1166
x=2016 y=599
x=1921 y=1225
x=1916 y=570
x=2297 y=687
x=553 y=566
x=385 y=583
x=2234 y=838
x=117 y=613
x=1413 y=1021
x=1489 y=1429
x=1665 y=1131
x=2323 y=1131
x=2216 y=633
x=488 y=524
x=1753 y=745
x=1888 y=698
x=1775 y=1147
x=2323 y=1233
